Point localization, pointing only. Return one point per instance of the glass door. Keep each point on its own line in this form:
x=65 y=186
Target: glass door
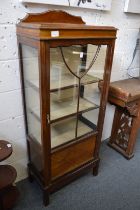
x=74 y=95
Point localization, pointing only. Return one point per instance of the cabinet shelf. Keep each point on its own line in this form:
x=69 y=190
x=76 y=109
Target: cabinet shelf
x=63 y=109
x=64 y=131
x=67 y=81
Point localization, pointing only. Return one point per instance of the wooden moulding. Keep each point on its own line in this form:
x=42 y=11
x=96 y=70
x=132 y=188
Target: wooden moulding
x=66 y=33
x=41 y=26
x=120 y=150
x=67 y=159
x=54 y=16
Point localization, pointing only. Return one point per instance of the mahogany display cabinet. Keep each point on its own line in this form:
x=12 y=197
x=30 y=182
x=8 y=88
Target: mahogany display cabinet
x=62 y=60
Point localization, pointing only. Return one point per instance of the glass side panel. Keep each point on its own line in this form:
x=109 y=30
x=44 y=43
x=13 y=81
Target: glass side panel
x=32 y=101
x=75 y=98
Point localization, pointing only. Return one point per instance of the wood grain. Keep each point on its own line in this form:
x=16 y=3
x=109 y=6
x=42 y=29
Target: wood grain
x=66 y=162
x=72 y=157
x=55 y=16
x=125 y=95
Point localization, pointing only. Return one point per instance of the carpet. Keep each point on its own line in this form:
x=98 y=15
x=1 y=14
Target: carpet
x=117 y=187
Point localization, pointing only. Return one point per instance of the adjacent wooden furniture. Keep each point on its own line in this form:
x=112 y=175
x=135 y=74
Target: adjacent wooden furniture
x=8 y=192
x=63 y=117
x=125 y=95
x=5 y=149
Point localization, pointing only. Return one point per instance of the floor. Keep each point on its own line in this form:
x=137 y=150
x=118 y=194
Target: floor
x=117 y=187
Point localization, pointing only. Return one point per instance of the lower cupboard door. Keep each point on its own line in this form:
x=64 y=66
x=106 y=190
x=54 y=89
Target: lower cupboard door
x=72 y=157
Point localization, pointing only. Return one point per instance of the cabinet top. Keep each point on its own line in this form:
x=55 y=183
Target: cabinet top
x=58 y=25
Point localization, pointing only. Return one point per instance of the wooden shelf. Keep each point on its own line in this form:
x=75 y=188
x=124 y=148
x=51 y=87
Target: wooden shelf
x=66 y=81
x=7 y=176
x=66 y=108
x=64 y=131
x=5 y=149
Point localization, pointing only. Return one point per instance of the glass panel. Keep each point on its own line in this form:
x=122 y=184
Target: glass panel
x=32 y=99
x=74 y=77
x=60 y=77
x=90 y=116
x=63 y=131
x=31 y=74
x=90 y=91
x=63 y=103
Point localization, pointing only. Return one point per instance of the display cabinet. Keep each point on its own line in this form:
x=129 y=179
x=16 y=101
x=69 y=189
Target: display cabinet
x=62 y=60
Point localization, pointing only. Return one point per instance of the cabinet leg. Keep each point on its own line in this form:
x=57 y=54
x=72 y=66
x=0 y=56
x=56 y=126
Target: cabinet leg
x=46 y=199
x=30 y=176
x=95 y=169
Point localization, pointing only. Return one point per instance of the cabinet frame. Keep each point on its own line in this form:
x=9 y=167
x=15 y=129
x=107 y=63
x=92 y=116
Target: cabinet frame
x=37 y=35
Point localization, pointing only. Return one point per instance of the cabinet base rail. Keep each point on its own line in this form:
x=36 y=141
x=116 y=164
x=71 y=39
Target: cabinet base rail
x=63 y=180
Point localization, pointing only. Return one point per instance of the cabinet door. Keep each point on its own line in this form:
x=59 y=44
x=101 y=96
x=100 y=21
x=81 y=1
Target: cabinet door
x=32 y=103
x=74 y=95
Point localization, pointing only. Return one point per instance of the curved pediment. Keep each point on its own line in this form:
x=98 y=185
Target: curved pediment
x=53 y=16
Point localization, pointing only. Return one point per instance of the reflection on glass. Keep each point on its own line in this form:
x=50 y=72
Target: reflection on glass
x=63 y=103
x=31 y=77
x=60 y=76
x=68 y=129
x=75 y=98
x=63 y=131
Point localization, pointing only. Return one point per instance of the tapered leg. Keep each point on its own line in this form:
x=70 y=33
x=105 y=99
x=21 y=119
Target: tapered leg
x=30 y=176
x=96 y=168
x=46 y=197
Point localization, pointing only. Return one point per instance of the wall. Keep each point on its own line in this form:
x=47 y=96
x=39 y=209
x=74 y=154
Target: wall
x=11 y=115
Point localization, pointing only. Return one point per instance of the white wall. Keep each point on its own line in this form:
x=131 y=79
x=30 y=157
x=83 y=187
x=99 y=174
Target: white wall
x=11 y=115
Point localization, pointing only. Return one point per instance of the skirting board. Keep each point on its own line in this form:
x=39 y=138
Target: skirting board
x=132 y=6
